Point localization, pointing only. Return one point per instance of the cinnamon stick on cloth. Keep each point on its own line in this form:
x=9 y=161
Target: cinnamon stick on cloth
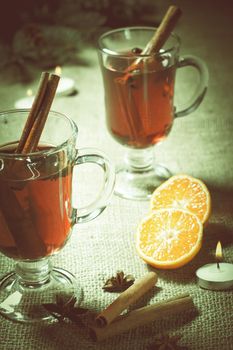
x=126 y=298
x=142 y=316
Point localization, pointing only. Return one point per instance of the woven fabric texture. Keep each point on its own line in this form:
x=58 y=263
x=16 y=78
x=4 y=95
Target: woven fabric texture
x=200 y=145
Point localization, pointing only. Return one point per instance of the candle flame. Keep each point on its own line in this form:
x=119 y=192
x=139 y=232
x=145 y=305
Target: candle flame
x=58 y=70
x=218 y=253
x=29 y=92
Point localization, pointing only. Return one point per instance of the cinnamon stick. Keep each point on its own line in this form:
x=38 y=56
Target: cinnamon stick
x=20 y=225
x=19 y=219
x=153 y=46
x=163 y=31
x=157 y=41
x=34 y=111
x=126 y=298
x=42 y=114
x=142 y=316
x=36 y=119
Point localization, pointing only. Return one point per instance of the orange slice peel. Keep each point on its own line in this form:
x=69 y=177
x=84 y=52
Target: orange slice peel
x=183 y=192
x=169 y=238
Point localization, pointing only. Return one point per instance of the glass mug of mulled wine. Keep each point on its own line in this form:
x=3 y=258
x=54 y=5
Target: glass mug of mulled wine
x=36 y=212
x=139 y=102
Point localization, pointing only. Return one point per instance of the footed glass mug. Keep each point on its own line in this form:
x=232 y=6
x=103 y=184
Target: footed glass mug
x=139 y=102
x=36 y=212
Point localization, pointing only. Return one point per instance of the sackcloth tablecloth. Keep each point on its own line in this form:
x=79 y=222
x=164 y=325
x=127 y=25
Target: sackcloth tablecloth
x=201 y=145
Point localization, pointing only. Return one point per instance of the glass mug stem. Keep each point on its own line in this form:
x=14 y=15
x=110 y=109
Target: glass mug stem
x=139 y=168
x=33 y=274
x=201 y=88
x=139 y=160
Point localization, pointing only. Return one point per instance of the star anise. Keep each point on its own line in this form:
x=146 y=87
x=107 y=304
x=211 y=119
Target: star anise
x=118 y=283
x=64 y=310
x=166 y=342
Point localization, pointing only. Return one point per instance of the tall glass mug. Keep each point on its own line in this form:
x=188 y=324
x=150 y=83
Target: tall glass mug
x=139 y=102
x=36 y=212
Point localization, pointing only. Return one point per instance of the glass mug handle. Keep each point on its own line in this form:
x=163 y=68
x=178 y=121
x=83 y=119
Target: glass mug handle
x=91 y=211
x=199 y=94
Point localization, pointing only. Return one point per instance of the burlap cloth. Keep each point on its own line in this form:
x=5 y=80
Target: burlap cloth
x=200 y=145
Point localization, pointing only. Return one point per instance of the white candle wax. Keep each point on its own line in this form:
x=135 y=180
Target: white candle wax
x=65 y=86
x=211 y=277
x=25 y=102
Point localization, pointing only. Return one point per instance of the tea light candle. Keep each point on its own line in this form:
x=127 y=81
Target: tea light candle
x=66 y=85
x=216 y=276
x=25 y=102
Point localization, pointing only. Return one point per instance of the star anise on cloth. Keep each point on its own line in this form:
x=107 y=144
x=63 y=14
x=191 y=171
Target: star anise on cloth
x=118 y=283
x=166 y=342
x=64 y=310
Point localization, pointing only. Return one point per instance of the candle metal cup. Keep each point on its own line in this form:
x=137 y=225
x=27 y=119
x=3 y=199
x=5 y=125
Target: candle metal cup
x=65 y=87
x=212 y=277
x=25 y=102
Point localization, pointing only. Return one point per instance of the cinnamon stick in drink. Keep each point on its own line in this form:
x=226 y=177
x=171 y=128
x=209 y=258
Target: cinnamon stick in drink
x=126 y=298
x=42 y=114
x=136 y=68
x=16 y=213
x=163 y=31
x=19 y=224
x=142 y=316
x=34 y=111
x=157 y=41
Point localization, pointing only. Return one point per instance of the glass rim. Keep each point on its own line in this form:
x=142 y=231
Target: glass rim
x=109 y=52
x=40 y=153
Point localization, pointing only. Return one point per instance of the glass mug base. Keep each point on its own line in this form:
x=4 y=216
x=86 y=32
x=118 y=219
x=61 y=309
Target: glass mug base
x=140 y=185
x=24 y=302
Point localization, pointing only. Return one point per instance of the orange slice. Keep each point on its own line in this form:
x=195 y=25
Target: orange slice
x=169 y=238
x=183 y=191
